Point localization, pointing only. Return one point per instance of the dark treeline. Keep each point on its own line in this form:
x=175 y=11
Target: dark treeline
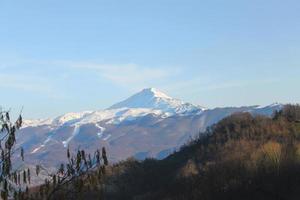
x=241 y=157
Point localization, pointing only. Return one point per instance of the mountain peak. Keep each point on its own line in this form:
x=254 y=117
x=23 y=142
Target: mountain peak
x=152 y=98
x=154 y=92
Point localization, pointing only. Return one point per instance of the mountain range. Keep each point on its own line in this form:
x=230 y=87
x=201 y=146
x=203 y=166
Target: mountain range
x=147 y=124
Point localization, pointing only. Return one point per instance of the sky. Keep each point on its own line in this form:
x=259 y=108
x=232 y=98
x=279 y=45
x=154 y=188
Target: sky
x=72 y=55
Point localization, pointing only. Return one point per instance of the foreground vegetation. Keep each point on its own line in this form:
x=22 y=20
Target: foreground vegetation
x=241 y=157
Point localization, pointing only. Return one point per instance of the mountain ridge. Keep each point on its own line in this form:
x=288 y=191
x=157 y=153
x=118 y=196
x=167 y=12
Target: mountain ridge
x=124 y=132
x=147 y=101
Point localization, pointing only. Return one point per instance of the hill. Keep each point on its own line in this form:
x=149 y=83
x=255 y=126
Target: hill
x=147 y=124
x=241 y=157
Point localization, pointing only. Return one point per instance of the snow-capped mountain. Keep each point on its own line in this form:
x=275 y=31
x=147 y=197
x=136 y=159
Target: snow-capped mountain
x=148 y=101
x=147 y=124
x=152 y=98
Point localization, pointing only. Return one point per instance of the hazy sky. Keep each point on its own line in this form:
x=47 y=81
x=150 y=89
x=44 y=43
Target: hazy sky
x=58 y=56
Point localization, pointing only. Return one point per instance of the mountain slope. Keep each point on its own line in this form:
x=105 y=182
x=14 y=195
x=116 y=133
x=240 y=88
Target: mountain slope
x=154 y=99
x=148 y=124
x=148 y=101
x=243 y=156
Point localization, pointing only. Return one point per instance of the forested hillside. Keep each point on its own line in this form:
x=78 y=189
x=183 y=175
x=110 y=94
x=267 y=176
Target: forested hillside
x=241 y=157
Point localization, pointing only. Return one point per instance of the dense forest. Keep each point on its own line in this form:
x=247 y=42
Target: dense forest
x=241 y=157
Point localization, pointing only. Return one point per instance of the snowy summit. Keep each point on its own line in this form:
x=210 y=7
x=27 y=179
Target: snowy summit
x=147 y=101
x=152 y=98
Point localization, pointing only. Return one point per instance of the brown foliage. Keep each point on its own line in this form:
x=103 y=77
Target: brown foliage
x=241 y=157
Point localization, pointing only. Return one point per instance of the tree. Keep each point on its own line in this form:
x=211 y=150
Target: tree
x=9 y=178
x=72 y=177
x=289 y=112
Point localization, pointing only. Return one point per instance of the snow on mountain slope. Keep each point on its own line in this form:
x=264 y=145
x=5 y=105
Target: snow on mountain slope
x=113 y=116
x=74 y=133
x=266 y=110
x=149 y=123
x=58 y=121
x=148 y=101
x=154 y=99
x=70 y=117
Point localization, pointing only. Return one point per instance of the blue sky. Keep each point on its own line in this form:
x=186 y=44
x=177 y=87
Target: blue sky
x=60 y=56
